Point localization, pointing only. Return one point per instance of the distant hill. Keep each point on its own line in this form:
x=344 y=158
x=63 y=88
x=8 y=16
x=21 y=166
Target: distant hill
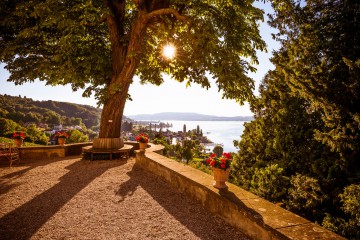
x=22 y=109
x=187 y=117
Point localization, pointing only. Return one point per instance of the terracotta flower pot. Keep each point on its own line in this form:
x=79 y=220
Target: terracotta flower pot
x=61 y=141
x=220 y=177
x=18 y=142
x=142 y=146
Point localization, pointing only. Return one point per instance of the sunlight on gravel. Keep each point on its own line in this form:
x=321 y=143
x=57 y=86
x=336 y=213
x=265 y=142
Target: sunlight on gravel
x=77 y=199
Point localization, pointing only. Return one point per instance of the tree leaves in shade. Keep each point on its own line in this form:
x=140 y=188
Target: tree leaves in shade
x=322 y=65
x=307 y=115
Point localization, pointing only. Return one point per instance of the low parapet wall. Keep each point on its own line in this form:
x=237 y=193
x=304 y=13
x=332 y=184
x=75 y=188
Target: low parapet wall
x=56 y=151
x=51 y=151
x=254 y=216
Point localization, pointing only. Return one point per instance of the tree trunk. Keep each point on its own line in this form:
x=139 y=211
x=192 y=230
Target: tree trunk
x=110 y=123
x=125 y=61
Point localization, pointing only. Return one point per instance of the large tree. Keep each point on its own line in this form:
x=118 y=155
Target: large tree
x=100 y=46
x=307 y=117
x=322 y=65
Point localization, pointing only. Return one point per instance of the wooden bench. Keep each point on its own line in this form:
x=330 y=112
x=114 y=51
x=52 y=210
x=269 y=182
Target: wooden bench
x=8 y=152
x=124 y=152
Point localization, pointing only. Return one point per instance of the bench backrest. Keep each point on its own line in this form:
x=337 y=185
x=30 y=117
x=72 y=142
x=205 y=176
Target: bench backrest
x=8 y=149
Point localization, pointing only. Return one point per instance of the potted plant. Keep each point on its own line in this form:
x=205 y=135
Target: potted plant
x=18 y=138
x=221 y=168
x=142 y=139
x=61 y=137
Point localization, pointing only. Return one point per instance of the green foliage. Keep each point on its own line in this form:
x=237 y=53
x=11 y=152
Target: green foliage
x=8 y=126
x=50 y=112
x=349 y=225
x=162 y=140
x=321 y=60
x=351 y=202
x=305 y=195
x=77 y=137
x=201 y=166
x=100 y=47
x=126 y=126
x=307 y=115
x=185 y=150
x=52 y=118
x=269 y=183
x=341 y=226
x=218 y=150
x=34 y=135
x=177 y=151
x=9 y=140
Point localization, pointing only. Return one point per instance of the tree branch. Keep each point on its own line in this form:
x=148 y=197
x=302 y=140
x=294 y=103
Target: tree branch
x=166 y=11
x=139 y=4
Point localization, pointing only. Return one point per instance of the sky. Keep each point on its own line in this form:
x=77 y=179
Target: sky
x=171 y=96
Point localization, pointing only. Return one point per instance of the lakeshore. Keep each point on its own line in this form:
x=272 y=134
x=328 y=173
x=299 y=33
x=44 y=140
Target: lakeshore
x=219 y=132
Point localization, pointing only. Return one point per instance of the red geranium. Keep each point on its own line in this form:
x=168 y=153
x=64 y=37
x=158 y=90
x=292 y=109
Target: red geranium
x=61 y=134
x=222 y=162
x=18 y=135
x=142 y=137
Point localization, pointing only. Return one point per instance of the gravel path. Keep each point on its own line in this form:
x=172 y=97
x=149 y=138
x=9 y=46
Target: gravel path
x=77 y=199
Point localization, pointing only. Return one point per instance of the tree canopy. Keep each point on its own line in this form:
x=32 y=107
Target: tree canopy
x=303 y=147
x=101 y=45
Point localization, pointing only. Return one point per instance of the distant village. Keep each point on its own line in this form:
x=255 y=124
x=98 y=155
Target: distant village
x=131 y=129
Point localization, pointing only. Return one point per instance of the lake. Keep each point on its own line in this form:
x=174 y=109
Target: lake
x=222 y=132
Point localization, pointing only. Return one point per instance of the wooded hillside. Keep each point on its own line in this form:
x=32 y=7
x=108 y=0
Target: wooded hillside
x=22 y=109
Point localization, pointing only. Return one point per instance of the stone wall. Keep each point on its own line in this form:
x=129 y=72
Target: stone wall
x=256 y=217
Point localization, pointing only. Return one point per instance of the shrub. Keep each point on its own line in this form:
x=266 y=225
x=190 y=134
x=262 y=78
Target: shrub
x=218 y=150
x=269 y=183
x=75 y=136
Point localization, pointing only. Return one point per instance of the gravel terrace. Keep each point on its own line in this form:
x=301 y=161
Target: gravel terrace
x=70 y=198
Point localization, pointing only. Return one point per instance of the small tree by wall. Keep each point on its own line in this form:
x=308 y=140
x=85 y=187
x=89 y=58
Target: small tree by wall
x=218 y=150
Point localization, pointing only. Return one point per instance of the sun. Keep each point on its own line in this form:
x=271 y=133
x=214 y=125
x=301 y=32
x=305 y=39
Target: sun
x=169 y=51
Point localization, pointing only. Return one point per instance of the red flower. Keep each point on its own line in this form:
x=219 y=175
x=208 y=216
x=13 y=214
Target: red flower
x=222 y=162
x=18 y=135
x=227 y=156
x=142 y=137
x=61 y=134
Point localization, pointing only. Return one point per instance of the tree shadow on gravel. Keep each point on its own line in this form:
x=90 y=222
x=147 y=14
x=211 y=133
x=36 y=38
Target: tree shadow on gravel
x=24 y=221
x=18 y=170
x=191 y=214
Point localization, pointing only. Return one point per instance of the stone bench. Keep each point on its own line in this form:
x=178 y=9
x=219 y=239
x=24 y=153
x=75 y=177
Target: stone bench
x=123 y=152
